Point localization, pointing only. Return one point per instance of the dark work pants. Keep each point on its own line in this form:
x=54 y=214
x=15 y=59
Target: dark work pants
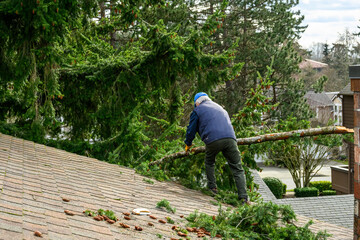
x=231 y=152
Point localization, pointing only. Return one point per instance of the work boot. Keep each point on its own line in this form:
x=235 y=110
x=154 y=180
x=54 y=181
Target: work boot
x=244 y=201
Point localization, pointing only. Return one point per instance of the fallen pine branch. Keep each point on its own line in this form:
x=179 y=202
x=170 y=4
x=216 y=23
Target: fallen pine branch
x=265 y=138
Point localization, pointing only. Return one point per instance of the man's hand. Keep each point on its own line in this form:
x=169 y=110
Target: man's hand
x=187 y=148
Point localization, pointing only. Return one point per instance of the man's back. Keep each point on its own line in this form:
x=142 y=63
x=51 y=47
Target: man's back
x=214 y=122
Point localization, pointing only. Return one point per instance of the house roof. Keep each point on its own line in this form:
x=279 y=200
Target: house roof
x=311 y=63
x=332 y=95
x=35 y=178
x=318 y=99
x=347 y=90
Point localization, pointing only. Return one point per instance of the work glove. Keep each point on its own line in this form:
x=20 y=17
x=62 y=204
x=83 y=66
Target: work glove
x=187 y=148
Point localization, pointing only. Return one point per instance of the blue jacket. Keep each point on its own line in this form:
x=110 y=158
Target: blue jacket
x=212 y=123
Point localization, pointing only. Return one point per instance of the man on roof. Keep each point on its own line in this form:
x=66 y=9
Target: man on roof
x=213 y=124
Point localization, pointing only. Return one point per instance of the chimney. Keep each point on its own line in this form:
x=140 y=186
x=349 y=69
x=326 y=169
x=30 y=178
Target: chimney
x=354 y=74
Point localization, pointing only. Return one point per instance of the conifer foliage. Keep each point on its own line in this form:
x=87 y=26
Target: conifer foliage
x=100 y=71
x=114 y=79
x=30 y=31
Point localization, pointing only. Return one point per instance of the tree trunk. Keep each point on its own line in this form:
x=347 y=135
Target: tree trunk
x=102 y=9
x=33 y=80
x=112 y=33
x=265 y=138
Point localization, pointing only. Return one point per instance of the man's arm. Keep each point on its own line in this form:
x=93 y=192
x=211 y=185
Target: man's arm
x=192 y=128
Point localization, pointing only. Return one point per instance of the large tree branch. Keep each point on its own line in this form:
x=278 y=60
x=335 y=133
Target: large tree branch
x=265 y=138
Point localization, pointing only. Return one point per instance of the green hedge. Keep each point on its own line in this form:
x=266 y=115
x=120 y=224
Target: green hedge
x=306 y=192
x=321 y=185
x=284 y=188
x=275 y=185
x=328 y=192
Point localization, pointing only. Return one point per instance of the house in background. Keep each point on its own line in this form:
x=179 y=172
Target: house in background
x=326 y=106
x=337 y=108
x=343 y=177
x=308 y=63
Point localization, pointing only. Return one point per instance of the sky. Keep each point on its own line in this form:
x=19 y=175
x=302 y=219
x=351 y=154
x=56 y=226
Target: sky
x=327 y=18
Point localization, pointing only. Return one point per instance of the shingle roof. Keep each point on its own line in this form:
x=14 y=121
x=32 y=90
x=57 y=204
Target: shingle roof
x=34 y=178
x=311 y=63
x=337 y=209
x=346 y=90
x=318 y=99
x=332 y=95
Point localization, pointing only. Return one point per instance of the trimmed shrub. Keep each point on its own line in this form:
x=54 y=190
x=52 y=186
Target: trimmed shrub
x=306 y=192
x=328 y=192
x=275 y=185
x=284 y=188
x=321 y=185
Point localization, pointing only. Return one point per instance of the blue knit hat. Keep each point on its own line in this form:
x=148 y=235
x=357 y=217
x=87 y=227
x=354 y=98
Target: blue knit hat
x=200 y=94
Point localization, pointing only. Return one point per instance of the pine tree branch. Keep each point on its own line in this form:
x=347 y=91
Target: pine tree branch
x=265 y=138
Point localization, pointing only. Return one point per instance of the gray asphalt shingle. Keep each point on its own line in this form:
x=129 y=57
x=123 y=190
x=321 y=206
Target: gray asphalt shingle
x=338 y=209
x=333 y=209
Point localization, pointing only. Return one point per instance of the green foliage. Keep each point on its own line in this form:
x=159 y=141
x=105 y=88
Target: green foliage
x=101 y=212
x=11 y=129
x=306 y=192
x=119 y=88
x=159 y=235
x=275 y=185
x=293 y=102
x=328 y=192
x=321 y=185
x=78 y=79
x=183 y=230
x=326 y=54
x=30 y=34
x=190 y=171
x=90 y=213
x=302 y=156
x=114 y=80
x=275 y=155
x=284 y=188
x=343 y=53
x=166 y=204
x=349 y=138
x=149 y=181
x=231 y=197
x=318 y=86
x=169 y=220
x=252 y=192
x=110 y=214
x=268 y=30
x=259 y=221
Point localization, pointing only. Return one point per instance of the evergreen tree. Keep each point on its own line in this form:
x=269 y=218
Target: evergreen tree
x=105 y=80
x=114 y=77
x=152 y=48
x=340 y=62
x=261 y=30
x=154 y=58
x=30 y=32
x=326 y=54
x=343 y=55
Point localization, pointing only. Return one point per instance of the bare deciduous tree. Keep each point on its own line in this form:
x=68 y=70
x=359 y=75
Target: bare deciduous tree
x=303 y=160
